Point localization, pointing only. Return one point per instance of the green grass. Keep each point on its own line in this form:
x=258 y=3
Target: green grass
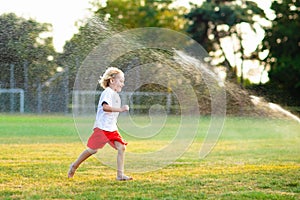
x=253 y=159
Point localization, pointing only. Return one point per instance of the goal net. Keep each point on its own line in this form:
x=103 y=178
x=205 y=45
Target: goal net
x=12 y=100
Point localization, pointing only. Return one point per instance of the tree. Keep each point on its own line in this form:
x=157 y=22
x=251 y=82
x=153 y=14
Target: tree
x=216 y=20
x=22 y=42
x=145 y=13
x=283 y=42
x=26 y=50
x=116 y=16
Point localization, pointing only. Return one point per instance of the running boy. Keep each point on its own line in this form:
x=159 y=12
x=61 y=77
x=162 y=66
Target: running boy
x=105 y=127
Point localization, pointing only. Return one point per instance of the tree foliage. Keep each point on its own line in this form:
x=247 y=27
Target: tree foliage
x=144 y=13
x=283 y=42
x=22 y=43
x=116 y=16
x=215 y=20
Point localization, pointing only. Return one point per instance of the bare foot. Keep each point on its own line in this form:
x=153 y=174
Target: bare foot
x=72 y=171
x=124 y=178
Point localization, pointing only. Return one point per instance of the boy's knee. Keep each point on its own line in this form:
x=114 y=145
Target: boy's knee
x=92 y=151
x=121 y=147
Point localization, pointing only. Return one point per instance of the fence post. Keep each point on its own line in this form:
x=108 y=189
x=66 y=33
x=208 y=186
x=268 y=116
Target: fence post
x=25 y=66
x=21 y=101
x=39 y=97
x=66 y=90
x=12 y=85
x=169 y=102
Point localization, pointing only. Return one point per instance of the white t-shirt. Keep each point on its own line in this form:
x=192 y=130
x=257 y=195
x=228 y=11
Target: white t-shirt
x=108 y=120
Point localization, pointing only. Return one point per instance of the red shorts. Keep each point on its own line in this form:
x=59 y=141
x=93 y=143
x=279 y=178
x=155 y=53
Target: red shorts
x=100 y=137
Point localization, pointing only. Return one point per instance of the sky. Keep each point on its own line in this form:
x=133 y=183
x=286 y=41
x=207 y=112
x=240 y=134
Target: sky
x=62 y=14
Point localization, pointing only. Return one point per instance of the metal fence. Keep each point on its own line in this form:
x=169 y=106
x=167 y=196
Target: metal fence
x=52 y=95
x=55 y=96
x=51 y=100
x=139 y=102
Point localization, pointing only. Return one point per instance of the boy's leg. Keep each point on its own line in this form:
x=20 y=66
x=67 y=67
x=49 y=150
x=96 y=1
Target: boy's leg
x=120 y=161
x=120 y=158
x=83 y=156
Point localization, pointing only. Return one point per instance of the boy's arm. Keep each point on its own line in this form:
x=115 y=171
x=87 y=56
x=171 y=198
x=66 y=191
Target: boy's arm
x=108 y=108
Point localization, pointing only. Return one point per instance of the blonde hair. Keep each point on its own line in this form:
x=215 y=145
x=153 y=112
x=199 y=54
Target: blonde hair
x=110 y=73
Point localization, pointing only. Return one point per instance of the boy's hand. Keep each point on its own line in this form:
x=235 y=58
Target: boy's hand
x=125 y=108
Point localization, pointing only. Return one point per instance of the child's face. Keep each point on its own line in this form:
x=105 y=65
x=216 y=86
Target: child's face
x=117 y=83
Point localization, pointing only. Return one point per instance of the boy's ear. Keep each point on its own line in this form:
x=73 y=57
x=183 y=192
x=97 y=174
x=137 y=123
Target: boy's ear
x=111 y=80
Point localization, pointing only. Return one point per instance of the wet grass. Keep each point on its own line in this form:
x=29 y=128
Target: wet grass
x=253 y=159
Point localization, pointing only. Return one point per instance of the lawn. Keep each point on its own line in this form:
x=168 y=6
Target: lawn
x=254 y=159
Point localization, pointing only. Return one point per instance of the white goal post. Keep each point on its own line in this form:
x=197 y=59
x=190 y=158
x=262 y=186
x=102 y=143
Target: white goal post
x=15 y=91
